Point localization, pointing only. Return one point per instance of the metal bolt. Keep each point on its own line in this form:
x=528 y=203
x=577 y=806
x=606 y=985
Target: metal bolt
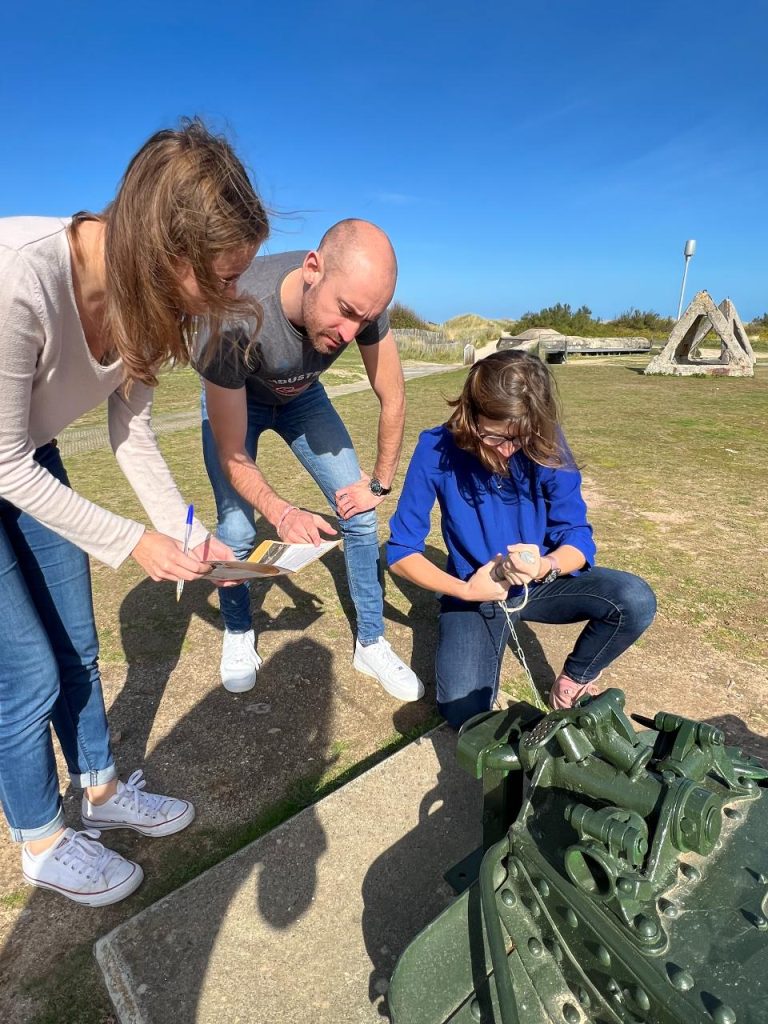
x=603 y=956
x=571 y=1014
x=624 y=885
x=641 y=998
x=474 y=1009
x=646 y=928
x=680 y=979
x=535 y=947
x=543 y=887
x=668 y=908
x=571 y=918
x=508 y=898
x=724 y=1015
x=690 y=872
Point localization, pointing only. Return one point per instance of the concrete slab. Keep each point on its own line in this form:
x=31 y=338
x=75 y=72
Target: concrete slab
x=307 y=922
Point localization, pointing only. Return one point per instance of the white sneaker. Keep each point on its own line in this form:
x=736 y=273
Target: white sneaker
x=381 y=662
x=82 y=870
x=130 y=807
x=239 y=661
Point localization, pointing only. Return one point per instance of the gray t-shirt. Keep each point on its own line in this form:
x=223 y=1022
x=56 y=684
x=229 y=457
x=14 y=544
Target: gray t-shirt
x=281 y=363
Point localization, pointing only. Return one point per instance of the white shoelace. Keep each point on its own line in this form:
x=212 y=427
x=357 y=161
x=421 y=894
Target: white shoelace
x=240 y=653
x=147 y=803
x=389 y=657
x=82 y=849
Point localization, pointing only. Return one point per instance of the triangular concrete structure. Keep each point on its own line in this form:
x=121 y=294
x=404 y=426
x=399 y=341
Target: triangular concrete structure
x=680 y=354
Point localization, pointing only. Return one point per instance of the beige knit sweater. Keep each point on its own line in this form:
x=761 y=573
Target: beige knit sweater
x=47 y=379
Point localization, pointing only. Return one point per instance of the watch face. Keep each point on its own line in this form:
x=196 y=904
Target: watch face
x=375 y=487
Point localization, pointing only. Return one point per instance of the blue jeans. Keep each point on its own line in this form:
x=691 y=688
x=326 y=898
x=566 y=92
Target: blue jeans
x=321 y=442
x=617 y=606
x=49 y=672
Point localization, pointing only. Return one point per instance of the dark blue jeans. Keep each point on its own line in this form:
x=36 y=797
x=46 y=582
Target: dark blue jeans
x=617 y=606
x=49 y=671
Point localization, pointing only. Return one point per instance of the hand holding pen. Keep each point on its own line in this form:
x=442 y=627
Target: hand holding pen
x=187 y=535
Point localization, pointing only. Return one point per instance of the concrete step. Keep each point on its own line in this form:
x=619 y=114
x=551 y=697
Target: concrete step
x=306 y=923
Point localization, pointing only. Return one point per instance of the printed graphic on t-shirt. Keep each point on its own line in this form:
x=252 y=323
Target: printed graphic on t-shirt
x=291 y=386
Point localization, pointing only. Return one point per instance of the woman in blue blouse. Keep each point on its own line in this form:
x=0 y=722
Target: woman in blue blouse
x=505 y=481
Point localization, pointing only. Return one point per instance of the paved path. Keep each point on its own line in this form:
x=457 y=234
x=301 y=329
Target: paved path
x=306 y=923
x=75 y=440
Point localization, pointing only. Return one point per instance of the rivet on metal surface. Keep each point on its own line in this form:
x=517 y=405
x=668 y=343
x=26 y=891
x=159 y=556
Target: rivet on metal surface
x=543 y=887
x=724 y=1015
x=668 y=908
x=535 y=947
x=508 y=898
x=624 y=885
x=680 y=979
x=734 y=813
x=570 y=1014
x=641 y=998
x=571 y=919
x=603 y=956
x=555 y=949
x=535 y=909
x=583 y=997
x=690 y=872
x=513 y=869
x=474 y=1009
x=612 y=985
x=646 y=928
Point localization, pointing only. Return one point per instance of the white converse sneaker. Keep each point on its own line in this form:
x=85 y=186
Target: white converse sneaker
x=82 y=870
x=239 y=661
x=381 y=662
x=130 y=807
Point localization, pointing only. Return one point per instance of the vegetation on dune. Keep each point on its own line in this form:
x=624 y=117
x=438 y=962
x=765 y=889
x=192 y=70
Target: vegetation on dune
x=404 y=318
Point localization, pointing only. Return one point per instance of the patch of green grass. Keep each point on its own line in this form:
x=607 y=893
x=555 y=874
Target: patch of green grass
x=14 y=900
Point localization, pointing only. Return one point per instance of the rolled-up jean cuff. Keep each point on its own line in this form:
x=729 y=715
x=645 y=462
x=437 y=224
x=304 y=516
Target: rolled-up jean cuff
x=28 y=835
x=94 y=778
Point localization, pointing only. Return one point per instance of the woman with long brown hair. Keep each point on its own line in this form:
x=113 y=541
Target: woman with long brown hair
x=518 y=540
x=91 y=308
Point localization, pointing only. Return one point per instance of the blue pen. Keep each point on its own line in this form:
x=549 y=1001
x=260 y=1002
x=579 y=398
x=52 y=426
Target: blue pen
x=187 y=535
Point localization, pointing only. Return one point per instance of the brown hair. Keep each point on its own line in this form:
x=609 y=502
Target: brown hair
x=185 y=196
x=515 y=388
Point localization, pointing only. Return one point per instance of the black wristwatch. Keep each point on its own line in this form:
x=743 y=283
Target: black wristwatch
x=378 y=488
x=553 y=573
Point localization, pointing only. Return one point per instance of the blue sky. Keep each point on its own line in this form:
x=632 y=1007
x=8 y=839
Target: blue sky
x=517 y=154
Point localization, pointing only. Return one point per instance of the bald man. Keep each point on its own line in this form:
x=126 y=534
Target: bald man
x=315 y=304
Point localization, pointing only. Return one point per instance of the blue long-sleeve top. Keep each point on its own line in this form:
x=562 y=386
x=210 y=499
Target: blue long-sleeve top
x=483 y=512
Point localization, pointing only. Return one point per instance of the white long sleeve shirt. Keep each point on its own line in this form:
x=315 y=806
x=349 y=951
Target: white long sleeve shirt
x=48 y=378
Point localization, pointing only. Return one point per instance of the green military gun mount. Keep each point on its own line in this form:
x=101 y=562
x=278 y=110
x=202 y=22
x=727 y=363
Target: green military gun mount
x=624 y=878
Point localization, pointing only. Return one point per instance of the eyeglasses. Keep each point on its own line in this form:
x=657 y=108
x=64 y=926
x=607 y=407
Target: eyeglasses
x=496 y=440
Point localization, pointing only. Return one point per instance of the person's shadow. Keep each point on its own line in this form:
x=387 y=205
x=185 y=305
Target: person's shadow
x=404 y=888
x=154 y=628
x=243 y=762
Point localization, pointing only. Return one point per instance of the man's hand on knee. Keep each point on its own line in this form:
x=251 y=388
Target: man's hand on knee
x=356 y=498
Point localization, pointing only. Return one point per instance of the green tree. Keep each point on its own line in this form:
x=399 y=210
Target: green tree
x=644 y=321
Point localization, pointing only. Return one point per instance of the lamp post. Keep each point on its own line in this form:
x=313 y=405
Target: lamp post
x=690 y=249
